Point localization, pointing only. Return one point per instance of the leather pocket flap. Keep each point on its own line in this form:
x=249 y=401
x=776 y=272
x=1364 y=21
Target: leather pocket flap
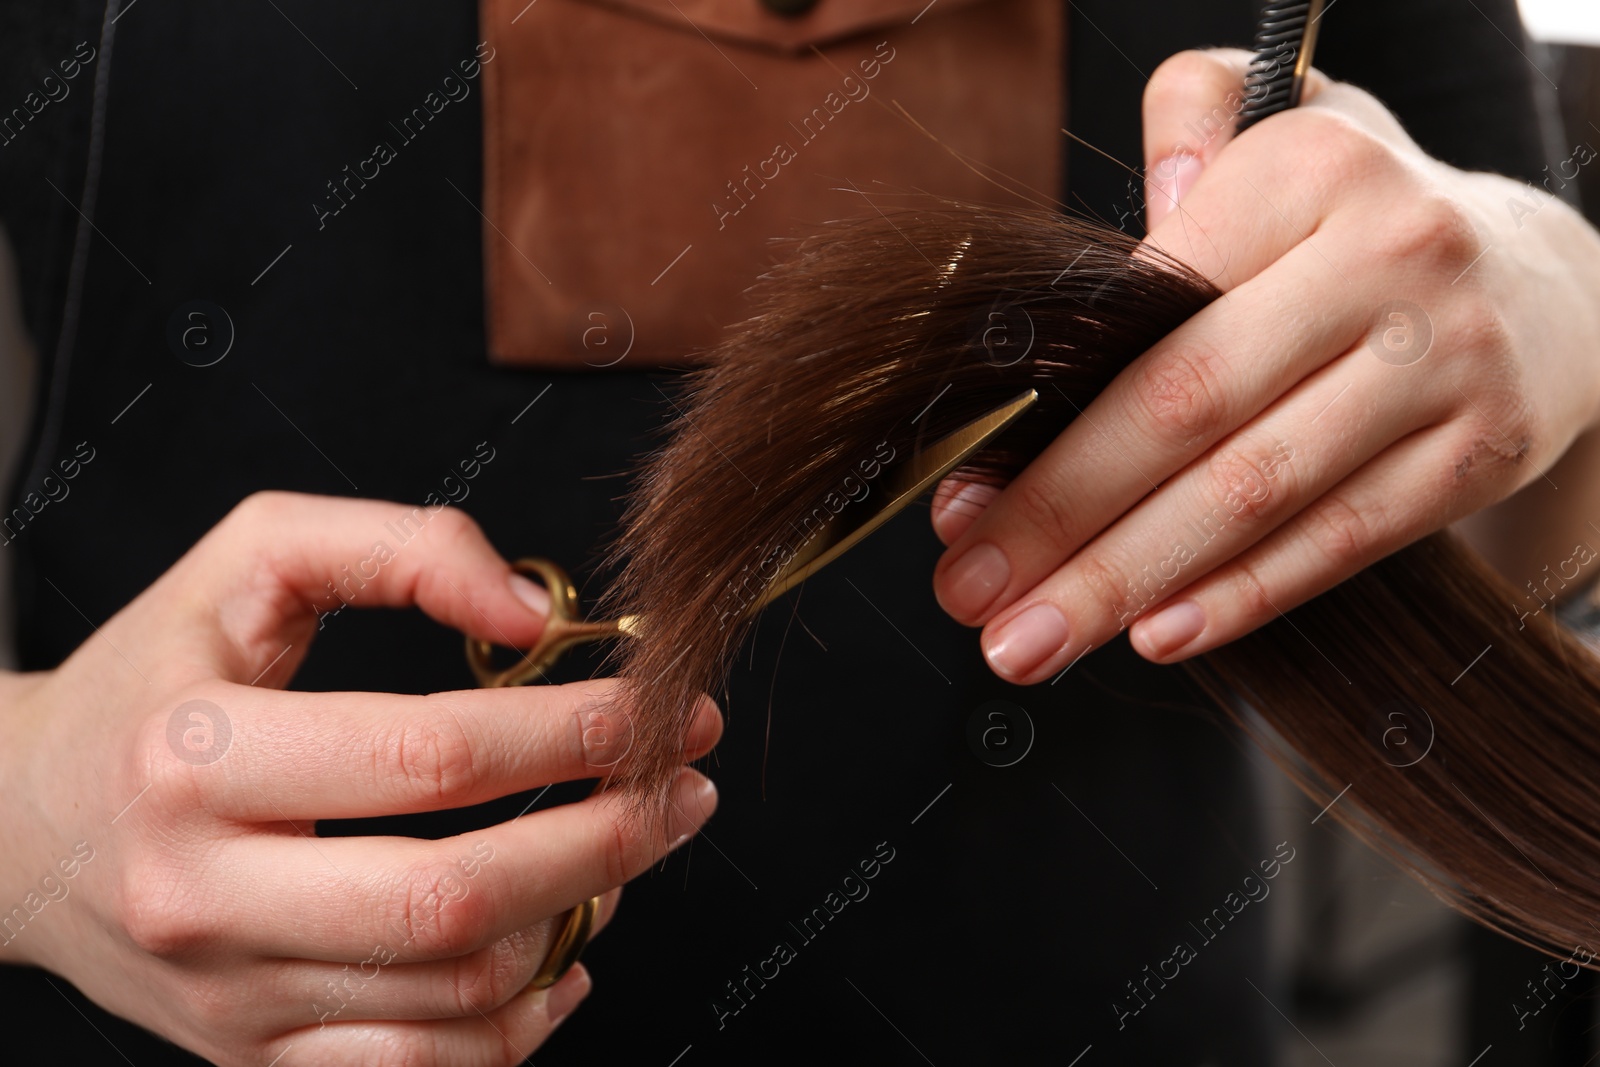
x=753 y=23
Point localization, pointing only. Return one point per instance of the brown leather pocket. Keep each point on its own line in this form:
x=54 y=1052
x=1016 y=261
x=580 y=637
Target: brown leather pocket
x=639 y=160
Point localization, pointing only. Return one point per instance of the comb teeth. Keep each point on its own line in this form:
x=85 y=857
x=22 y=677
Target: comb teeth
x=1281 y=32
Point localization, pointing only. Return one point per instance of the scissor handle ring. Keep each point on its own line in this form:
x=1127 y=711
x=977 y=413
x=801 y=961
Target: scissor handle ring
x=568 y=944
x=557 y=637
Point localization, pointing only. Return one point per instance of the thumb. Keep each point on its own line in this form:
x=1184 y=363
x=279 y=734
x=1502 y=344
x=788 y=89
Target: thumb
x=1190 y=106
x=280 y=564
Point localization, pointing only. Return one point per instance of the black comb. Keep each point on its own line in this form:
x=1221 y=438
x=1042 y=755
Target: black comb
x=1286 y=34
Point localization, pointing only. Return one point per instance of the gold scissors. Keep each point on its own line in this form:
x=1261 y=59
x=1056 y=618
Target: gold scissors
x=902 y=484
x=564 y=628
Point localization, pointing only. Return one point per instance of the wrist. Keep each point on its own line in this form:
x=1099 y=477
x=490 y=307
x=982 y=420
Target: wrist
x=20 y=817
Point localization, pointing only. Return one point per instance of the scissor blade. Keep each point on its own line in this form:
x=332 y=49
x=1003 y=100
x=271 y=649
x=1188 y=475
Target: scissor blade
x=900 y=486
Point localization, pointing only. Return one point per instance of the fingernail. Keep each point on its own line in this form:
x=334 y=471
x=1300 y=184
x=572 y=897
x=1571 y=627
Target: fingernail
x=531 y=593
x=1022 y=644
x=1167 y=183
x=694 y=798
x=705 y=729
x=955 y=511
x=1171 y=628
x=974 y=581
x=566 y=994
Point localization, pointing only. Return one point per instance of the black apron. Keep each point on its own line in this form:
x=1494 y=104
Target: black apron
x=1023 y=907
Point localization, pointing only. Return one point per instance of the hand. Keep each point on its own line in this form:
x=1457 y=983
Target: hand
x=160 y=795
x=1400 y=344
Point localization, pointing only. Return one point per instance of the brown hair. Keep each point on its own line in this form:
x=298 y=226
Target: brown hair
x=870 y=341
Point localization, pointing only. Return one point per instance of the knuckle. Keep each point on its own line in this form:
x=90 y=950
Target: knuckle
x=263 y=505
x=148 y=745
x=1432 y=229
x=1480 y=329
x=248 y=538
x=504 y=1055
x=623 y=850
x=441 y=914
x=1234 y=479
x=1180 y=392
x=1463 y=444
x=430 y=755
x=1493 y=388
x=1251 y=600
x=176 y=786
x=1339 y=150
x=1488 y=454
x=1344 y=534
x=617 y=852
x=1520 y=425
x=157 y=911
x=491 y=976
x=1102 y=583
x=452 y=525
x=1513 y=422
x=1042 y=505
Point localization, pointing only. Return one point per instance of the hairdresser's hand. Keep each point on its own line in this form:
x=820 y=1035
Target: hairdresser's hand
x=159 y=794
x=1401 y=344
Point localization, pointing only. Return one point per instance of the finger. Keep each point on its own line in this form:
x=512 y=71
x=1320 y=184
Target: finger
x=283 y=565
x=1156 y=417
x=956 y=504
x=379 y=988
x=1191 y=107
x=504 y=1037
x=294 y=756
x=1178 y=399
x=1253 y=482
x=1252 y=205
x=1201 y=381
x=1344 y=532
x=334 y=898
